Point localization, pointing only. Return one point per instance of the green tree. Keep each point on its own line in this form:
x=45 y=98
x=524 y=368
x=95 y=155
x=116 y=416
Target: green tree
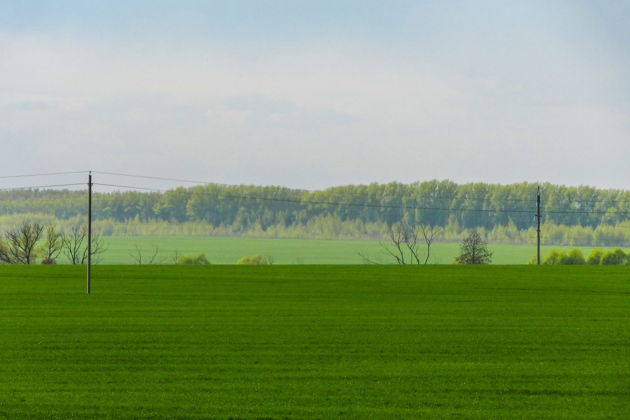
x=474 y=250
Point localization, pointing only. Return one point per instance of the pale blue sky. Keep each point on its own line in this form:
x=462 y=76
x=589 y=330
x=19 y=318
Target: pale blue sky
x=318 y=93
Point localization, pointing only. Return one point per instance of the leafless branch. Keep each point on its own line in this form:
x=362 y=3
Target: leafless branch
x=366 y=259
x=74 y=246
x=52 y=245
x=18 y=246
x=430 y=233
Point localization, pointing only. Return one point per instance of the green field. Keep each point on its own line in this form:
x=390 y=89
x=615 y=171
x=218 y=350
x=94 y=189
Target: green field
x=292 y=251
x=315 y=342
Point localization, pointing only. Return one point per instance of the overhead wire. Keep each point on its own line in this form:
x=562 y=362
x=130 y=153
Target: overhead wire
x=559 y=211
x=161 y=178
x=307 y=202
x=333 y=203
x=127 y=187
x=369 y=205
x=36 y=187
x=383 y=206
x=43 y=174
x=313 y=202
x=199 y=182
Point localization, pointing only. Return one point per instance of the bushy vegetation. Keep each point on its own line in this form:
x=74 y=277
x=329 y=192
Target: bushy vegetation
x=614 y=257
x=595 y=257
x=579 y=216
x=257 y=259
x=199 y=259
x=576 y=257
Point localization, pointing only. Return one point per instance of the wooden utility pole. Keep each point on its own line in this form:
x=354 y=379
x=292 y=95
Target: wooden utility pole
x=538 y=217
x=89 y=234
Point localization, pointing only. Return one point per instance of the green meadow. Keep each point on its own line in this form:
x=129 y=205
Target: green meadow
x=301 y=341
x=224 y=250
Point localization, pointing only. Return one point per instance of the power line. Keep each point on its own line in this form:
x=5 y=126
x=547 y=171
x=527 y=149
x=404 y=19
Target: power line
x=369 y=205
x=310 y=202
x=329 y=203
x=128 y=187
x=335 y=203
x=34 y=187
x=161 y=178
x=42 y=174
x=558 y=211
x=382 y=206
x=189 y=181
x=599 y=202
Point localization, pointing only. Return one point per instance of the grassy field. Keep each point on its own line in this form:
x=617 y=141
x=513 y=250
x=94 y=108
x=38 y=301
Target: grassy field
x=315 y=342
x=291 y=251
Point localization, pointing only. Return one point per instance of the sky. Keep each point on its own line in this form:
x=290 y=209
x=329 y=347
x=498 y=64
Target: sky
x=312 y=94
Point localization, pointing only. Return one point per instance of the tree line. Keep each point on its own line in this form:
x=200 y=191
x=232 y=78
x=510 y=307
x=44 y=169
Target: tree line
x=239 y=209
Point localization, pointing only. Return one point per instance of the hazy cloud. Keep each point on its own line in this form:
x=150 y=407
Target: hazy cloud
x=518 y=93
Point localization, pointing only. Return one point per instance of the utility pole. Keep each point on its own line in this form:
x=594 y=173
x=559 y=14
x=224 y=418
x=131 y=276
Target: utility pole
x=538 y=225
x=89 y=234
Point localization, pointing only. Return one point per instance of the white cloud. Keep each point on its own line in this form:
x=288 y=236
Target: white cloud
x=312 y=116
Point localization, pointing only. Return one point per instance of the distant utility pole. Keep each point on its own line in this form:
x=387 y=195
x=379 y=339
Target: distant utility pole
x=89 y=238
x=538 y=225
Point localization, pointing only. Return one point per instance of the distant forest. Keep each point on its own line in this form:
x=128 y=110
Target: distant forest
x=506 y=213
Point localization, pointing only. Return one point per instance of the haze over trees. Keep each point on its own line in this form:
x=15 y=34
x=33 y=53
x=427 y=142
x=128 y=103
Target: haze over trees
x=501 y=213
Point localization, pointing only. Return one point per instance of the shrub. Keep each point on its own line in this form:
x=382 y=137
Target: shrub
x=616 y=257
x=257 y=259
x=49 y=261
x=193 y=260
x=574 y=257
x=553 y=257
x=595 y=257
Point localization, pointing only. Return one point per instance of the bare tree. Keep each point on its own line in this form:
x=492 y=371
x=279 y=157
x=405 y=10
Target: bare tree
x=404 y=242
x=430 y=233
x=138 y=256
x=396 y=239
x=52 y=245
x=98 y=247
x=18 y=246
x=74 y=245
